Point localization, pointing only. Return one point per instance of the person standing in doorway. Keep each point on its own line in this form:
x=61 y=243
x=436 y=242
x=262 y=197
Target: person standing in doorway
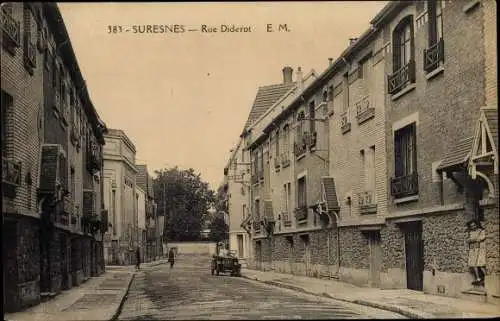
x=138 y=259
x=171 y=257
x=477 y=251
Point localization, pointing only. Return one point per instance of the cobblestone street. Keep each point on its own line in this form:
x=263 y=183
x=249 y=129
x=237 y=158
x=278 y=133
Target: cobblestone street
x=189 y=291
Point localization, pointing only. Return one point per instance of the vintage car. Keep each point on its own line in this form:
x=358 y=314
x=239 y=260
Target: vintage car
x=226 y=264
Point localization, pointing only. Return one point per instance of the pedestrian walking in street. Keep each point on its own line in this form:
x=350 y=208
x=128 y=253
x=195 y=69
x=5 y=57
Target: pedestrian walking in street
x=138 y=259
x=171 y=257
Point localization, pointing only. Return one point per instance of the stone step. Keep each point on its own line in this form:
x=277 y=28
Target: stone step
x=474 y=294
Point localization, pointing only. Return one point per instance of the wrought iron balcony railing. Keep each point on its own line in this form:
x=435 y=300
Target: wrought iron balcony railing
x=311 y=139
x=404 y=185
x=30 y=51
x=300 y=147
x=256 y=225
x=11 y=30
x=285 y=217
x=285 y=160
x=277 y=161
x=11 y=172
x=401 y=78
x=301 y=213
x=363 y=110
x=434 y=55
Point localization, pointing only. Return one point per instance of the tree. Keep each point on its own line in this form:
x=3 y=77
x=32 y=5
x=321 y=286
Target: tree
x=183 y=198
x=218 y=228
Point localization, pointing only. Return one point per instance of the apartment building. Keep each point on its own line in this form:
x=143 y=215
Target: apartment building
x=152 y=241
x=120 y=197
x=269 y=212
x=51 y=160
x=437 y=135
x=404 y=154
x=141 y=221
x=236 y=176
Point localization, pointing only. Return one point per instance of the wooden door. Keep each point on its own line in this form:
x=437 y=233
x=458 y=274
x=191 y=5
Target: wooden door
x=414 y=249
x=258 y=255
x=240 y=246
x=307 y=254
x=10 y=275
x=375 y=257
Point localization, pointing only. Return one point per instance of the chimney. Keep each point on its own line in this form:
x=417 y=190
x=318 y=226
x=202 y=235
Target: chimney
x=352 y=40
x=300 y=80
x=330 y=61
x=287 y=75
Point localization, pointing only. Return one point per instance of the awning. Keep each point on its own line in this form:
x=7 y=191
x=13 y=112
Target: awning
x=457 y=156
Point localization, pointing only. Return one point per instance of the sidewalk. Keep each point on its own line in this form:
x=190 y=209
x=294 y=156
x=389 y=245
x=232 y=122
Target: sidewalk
x=99 y=298
x=412 y=304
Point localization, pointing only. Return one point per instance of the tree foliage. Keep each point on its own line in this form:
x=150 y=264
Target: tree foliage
x=218 y=229
x=184 y=199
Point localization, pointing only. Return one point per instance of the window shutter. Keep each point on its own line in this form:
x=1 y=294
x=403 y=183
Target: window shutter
x=398 y=161
x=413 y=133
x=431 y=11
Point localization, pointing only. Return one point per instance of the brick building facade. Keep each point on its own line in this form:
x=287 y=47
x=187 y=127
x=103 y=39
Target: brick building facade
x=410 y=157
x=51 y=151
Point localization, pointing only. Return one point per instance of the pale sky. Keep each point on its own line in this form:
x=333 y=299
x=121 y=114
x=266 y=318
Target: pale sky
x=183 y=98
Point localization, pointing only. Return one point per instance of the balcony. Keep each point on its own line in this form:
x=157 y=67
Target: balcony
x=366 y=202
x=75 y=136
x=29 y=53
x=311 y=139
x=401 y=78
x=286 y=219
x=285 y=160
x=256 y=225
x=433 y=56
x=93 y=159
x=66 y=211
x=277 y=161
x=300 y=147
x=11 y=35
x=363 y=110
x=301 y=213
x=345 y=124
x=404 y=186
x=11 y=172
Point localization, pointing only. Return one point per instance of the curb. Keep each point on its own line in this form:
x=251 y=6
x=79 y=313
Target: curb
x=122 y=300
x=410 y=313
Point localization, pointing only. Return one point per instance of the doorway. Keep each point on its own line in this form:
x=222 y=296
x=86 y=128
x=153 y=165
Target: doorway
x=63 y=241
x=239 y=238
x=291 y=253
x=258 y=255
x=375 y=257
x=307 y=253
x=414 y=250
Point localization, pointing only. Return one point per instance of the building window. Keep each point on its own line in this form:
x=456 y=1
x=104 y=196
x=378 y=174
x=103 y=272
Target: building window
x=244 y=211
x=301 y=192
x=286 y=137
x=277 y=143
x=434 y=54
x=6 y=103
x=257 y=209
x=261 y=163
x=29 y=35
x=405 y=182
x=330 y=93
x=312 y=115
x=403 y=64
x=300 y=125
x=346 y=92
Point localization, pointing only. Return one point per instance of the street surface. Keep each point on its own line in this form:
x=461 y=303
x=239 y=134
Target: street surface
x=189 y=292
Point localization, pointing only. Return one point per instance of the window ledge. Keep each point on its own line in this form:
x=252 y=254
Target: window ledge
x=368 y=209
x=406 y=199
x=471 y=5
x=434 y=73
x=403 y=92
